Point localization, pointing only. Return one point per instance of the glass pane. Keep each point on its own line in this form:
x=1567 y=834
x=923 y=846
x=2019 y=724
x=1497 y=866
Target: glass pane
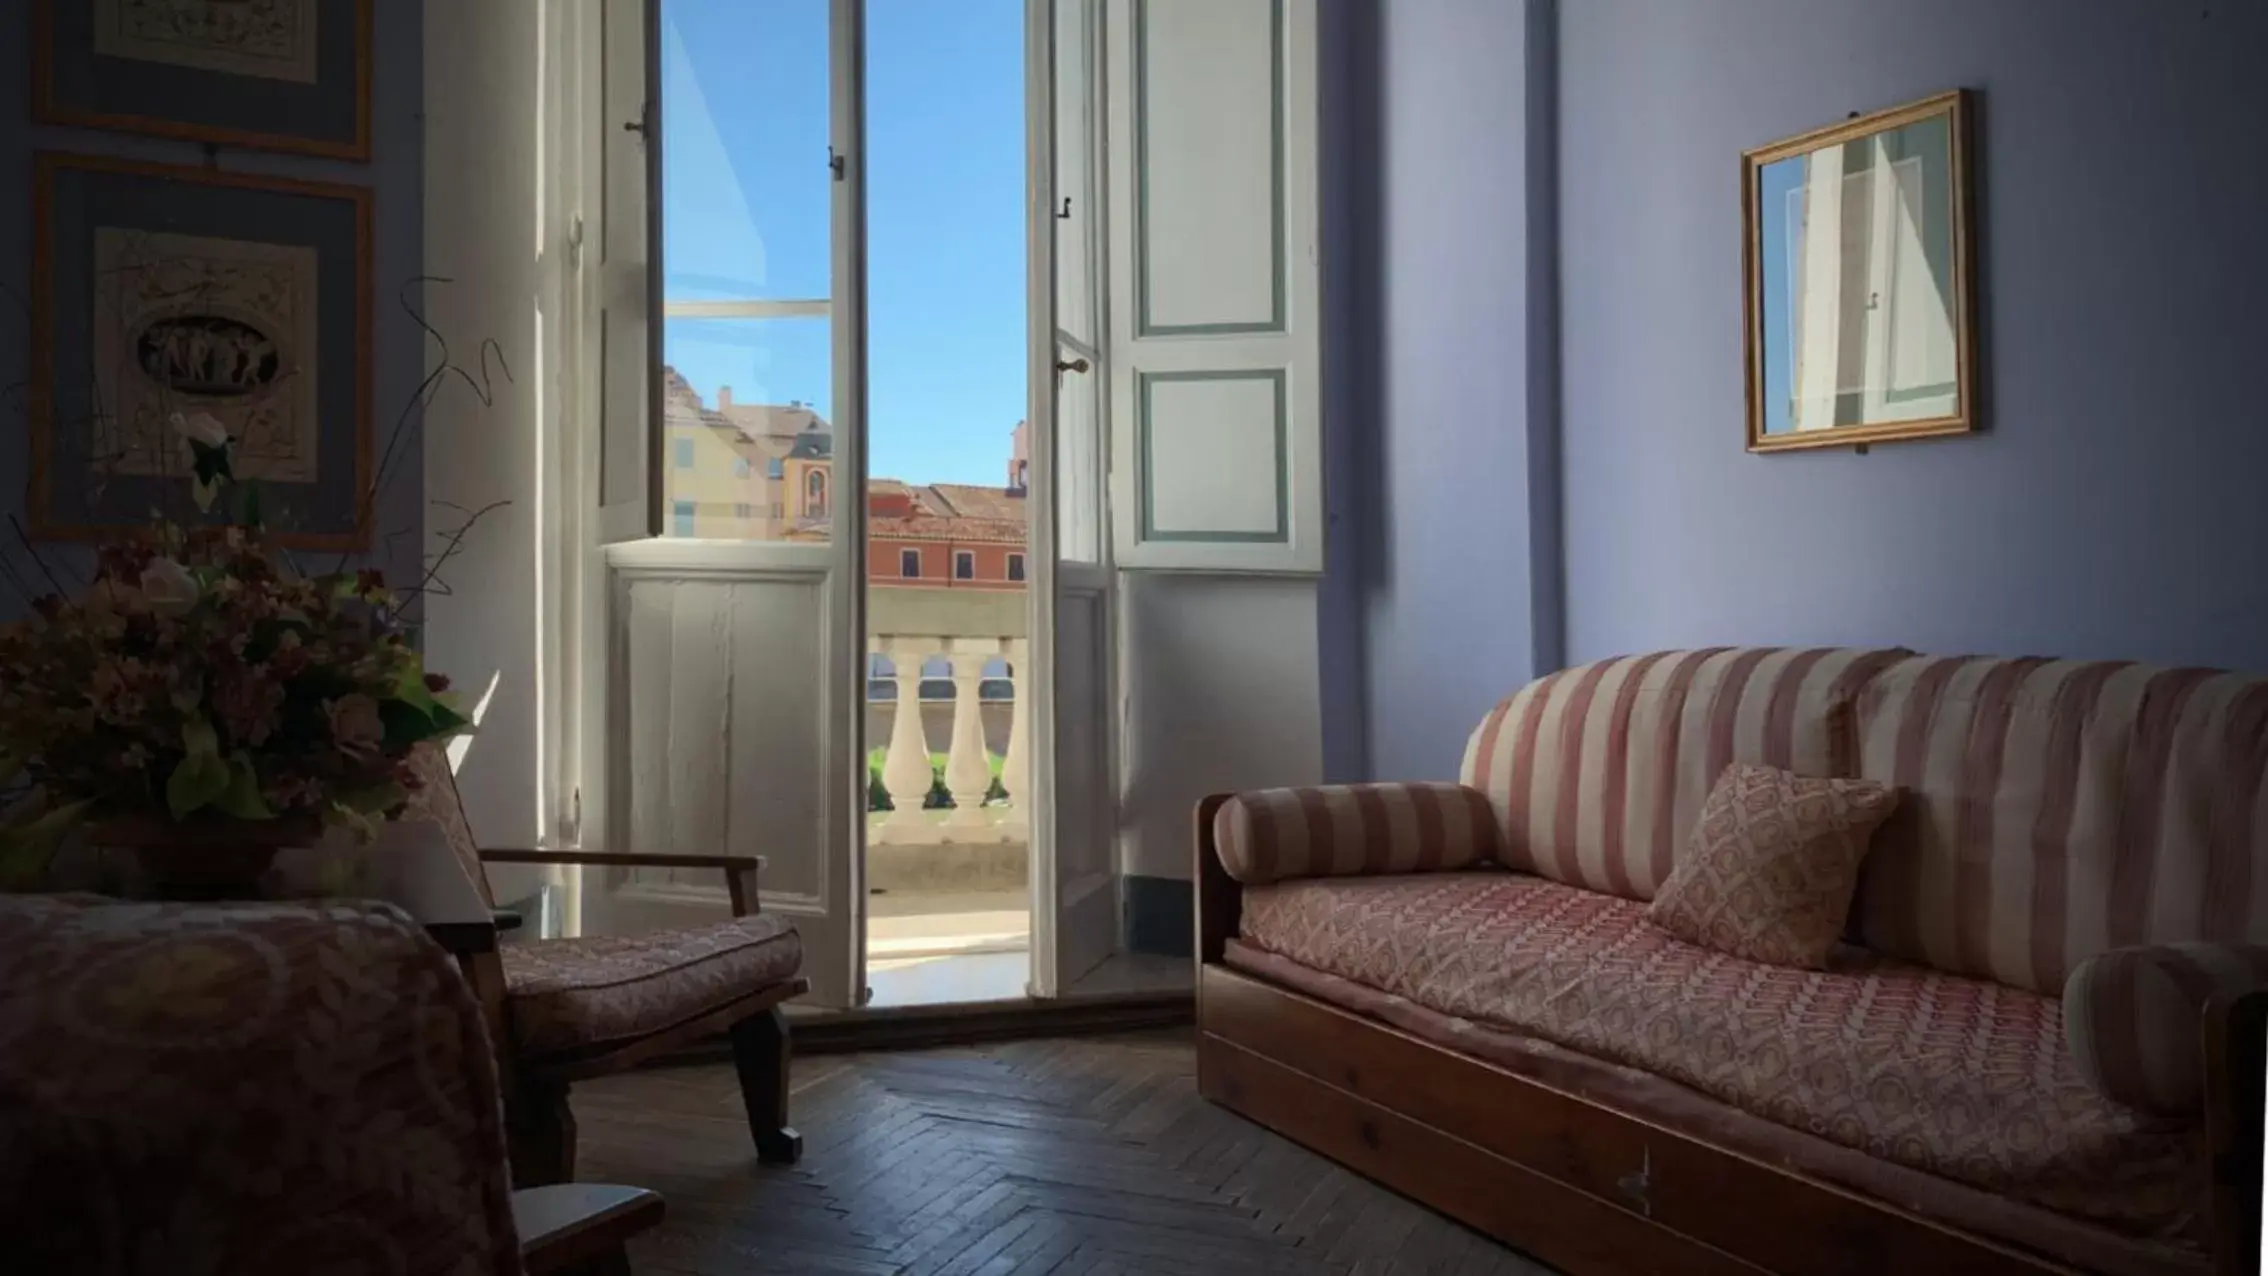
x=750 y=445
x=1860 y=317
x=746 y=190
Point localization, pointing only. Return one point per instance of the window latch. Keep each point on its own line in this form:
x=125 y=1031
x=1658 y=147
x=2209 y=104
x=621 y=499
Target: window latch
x=835 y=163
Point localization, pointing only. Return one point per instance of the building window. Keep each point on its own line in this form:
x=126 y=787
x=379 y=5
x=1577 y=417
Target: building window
x=740 y=467
x=909 y=563
x=684 y=454
x=1015 y=567
x=744 y=511
x=815 y=494
x=681 y=517
x=774 y=469
x=964 y=565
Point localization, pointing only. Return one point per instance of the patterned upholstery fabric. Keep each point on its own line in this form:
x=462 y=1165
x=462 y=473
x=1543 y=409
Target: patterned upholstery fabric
x=1267 y=835
x=435 y=798
x=1635 y=1092
x=1956 y=1077
x=575 y=996
x=1772 y=864
x=2133 y=1018
x=2056 y=809
x=243 y=1088
x=1597 y=773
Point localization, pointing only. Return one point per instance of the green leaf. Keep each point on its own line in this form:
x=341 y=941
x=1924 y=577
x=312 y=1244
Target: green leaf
x=251 y=516
x=405 y=724
x=25 y=848
x=242 y=798
x=409 y=686
x=377 y=799
x=364 y=828
x=202 y=777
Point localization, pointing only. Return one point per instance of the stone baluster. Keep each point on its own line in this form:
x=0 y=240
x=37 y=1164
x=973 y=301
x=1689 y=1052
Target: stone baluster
x=1015 y=765
x=968 y=770
x=905 y=768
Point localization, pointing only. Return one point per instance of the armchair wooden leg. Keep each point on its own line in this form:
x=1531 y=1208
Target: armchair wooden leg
x=541 y=1129
x=760 y=1050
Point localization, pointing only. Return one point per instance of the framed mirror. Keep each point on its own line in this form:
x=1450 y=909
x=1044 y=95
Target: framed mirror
x=1860 y=262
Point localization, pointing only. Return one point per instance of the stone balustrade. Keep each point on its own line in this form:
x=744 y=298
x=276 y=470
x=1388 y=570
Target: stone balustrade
x=903 y=661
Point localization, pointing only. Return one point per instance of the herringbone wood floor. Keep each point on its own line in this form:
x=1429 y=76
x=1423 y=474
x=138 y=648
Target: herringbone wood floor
x=1085 y=1155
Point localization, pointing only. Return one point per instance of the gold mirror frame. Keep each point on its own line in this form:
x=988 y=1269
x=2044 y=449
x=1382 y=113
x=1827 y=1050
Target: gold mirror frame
x=1955 y=106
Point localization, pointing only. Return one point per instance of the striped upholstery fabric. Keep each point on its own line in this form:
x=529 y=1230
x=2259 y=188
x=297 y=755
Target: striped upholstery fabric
x=1597 y=773
x=1268 y=835
x=2133 y=1018
x=2058 y=809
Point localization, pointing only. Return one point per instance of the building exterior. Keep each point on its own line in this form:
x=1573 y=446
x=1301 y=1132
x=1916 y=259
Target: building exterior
x=766 y=472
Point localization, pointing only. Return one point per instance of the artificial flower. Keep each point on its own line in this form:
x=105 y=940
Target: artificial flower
x=356 y=727
x=168 y=587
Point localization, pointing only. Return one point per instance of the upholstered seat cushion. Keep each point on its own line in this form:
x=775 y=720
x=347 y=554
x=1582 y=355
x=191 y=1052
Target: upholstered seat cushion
x=582 y=996
x=1953 y=1076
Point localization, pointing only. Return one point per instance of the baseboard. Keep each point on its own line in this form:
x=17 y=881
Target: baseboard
x=1161 y=915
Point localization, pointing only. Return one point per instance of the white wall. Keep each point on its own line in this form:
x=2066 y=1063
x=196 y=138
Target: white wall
x=1221 y=693
x=481 y=79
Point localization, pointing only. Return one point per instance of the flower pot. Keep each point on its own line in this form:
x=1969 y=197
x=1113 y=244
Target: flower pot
x=205 y=859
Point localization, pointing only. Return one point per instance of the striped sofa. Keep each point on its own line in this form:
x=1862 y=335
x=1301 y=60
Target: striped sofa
x=2010 y=1046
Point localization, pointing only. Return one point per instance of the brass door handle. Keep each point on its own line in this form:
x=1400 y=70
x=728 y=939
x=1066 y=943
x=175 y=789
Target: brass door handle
x=1073 y=365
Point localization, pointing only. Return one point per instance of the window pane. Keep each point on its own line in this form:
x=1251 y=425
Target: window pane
x=746 y=190
x=745 y=407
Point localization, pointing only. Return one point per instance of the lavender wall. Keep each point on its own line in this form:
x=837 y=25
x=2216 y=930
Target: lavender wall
x=1447 y=558
x=396 y=173
x=2114 y=508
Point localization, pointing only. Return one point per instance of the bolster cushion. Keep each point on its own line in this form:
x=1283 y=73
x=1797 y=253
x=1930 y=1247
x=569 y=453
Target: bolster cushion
x=2134 y=1018
x=1332 y=830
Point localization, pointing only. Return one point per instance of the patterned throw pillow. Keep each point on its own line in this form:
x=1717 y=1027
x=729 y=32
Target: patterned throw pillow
x=1770 y=868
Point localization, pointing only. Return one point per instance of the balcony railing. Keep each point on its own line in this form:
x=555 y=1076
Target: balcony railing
x=908 y=773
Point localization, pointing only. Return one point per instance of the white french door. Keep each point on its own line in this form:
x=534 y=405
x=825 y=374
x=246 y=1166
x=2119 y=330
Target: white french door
x=1075 y=896
x=724 y=689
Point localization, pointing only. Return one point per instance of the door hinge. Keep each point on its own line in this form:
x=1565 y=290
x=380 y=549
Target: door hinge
x=575 y=240
x=573 y=832
x=834 y=163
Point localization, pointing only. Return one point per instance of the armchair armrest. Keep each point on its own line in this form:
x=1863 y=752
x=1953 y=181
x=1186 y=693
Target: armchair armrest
x=739 y=871
x=1267 y=835
x=2134 y=1018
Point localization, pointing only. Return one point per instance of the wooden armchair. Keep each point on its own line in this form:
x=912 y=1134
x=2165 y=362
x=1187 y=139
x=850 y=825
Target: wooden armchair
x=585 y=1007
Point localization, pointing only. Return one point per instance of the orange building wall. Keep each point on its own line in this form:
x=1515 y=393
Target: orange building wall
x=937 y=563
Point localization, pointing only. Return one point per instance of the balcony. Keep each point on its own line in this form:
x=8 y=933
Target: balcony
x=948 y=836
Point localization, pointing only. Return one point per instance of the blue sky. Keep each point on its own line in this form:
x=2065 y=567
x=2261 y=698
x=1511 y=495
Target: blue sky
x=746 y=201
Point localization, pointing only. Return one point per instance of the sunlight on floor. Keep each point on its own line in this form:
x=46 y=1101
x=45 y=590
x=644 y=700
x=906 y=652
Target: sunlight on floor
x=927 y=948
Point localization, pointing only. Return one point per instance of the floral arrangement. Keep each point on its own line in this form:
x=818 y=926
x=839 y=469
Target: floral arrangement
x=200 y=679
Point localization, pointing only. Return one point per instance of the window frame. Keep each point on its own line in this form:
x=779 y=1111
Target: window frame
x=905 y=556
x=964 y=564
x=1015 y=569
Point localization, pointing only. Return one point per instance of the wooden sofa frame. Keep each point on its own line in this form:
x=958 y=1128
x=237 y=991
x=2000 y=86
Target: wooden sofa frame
x=1591 y=1189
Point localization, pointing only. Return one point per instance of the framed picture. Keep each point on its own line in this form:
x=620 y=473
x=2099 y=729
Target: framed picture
x=276 y=75
x=1860 y=263
x=159 y=290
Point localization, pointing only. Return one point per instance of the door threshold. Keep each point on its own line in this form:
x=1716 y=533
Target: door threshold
x=967 y=1023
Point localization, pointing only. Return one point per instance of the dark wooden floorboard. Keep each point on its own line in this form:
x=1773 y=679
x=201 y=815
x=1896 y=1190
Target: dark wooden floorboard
x=1090 y=1156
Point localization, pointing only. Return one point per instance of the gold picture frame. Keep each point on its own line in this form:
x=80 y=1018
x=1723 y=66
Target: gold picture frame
x=320 y=107
x=1890 y=296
